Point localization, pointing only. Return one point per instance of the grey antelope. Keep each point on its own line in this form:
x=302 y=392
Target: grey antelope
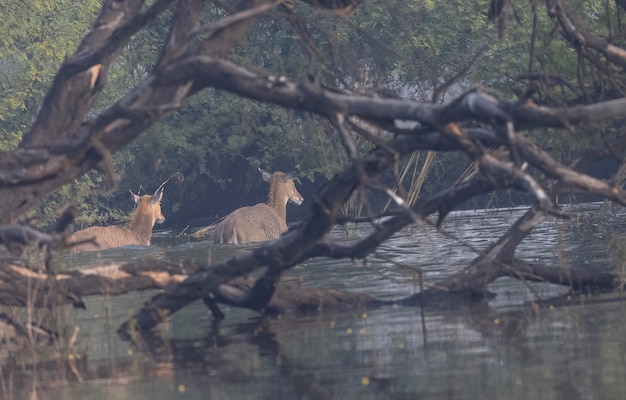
x=138 y=231
x=264 y=221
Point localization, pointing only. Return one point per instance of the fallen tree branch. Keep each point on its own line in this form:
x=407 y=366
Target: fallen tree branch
x=21 y=286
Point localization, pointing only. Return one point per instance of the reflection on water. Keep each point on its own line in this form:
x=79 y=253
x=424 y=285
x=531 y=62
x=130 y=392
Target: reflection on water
x=500 y=350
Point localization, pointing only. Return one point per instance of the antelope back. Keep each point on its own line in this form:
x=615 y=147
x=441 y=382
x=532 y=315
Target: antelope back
x=257 y=223
x=261 y=222
x=139 y=231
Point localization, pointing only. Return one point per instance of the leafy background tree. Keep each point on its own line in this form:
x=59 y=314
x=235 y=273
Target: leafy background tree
x=37 y=36
x=435 y=50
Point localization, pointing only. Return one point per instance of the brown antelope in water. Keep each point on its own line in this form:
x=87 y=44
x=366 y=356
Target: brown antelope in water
x=264 y=221
x=138 y=231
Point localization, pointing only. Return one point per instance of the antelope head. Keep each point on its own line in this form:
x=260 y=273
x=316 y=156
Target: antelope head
x=150 y=206
x=285 y=185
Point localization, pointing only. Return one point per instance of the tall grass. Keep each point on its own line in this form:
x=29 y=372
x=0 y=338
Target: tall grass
x=416 y=171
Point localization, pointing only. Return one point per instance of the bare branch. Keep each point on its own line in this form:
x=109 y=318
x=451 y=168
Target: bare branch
x=237 y=17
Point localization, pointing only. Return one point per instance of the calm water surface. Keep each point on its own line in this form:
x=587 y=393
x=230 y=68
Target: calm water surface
x=499 y=350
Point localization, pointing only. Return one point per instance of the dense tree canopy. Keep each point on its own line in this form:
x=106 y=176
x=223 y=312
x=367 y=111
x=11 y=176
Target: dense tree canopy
x=217 y=139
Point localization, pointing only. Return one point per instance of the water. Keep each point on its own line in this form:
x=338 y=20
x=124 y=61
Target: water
x=505 y=349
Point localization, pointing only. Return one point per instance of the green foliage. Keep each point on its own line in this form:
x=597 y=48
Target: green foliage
x=413 y=47
x=37 y=36
x=93 y=205
x=217 y=139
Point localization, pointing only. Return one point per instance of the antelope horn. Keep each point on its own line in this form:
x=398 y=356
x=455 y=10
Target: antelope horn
x=179 y=178
x=293 y=173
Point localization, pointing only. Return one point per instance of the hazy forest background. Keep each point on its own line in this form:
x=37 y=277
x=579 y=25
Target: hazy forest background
x=424 y=50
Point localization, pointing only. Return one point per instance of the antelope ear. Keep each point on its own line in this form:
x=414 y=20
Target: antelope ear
x=135 y=197
x=292 y=174
x=157 y=196
x=267 y=177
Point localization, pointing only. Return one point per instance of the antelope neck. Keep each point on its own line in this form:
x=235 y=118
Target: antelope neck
x=277 y=199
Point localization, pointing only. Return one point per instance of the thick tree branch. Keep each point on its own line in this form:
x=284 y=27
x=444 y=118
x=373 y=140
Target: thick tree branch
x=575 y=34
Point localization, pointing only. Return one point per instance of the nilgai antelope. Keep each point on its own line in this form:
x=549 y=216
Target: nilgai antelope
x=138 y=231
x=264 y=221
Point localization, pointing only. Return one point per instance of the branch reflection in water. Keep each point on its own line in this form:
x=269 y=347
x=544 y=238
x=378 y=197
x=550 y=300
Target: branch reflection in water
x=505 y=349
